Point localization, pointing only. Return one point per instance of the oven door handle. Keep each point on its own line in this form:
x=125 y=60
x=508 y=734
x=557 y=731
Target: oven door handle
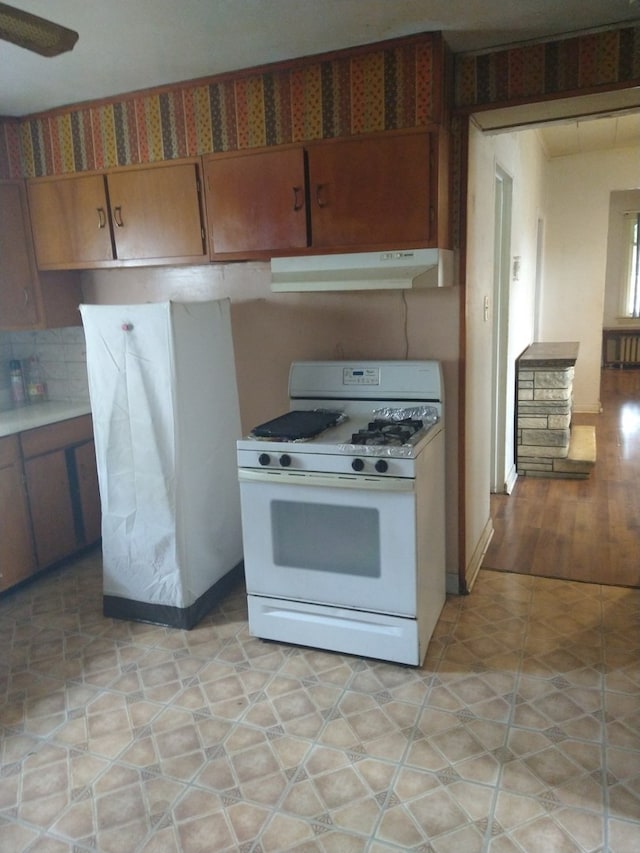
x=329 y=481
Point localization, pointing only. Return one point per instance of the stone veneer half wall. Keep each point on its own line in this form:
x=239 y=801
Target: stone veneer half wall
x=545 y=387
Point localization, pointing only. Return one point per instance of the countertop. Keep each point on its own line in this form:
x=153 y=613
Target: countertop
x=39 y=414
x=553 y=354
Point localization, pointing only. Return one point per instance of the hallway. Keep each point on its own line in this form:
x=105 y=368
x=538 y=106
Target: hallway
x=580 y=530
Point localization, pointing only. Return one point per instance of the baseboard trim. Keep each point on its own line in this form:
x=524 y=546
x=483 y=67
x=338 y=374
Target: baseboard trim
x=477 y=557
x=512 y=476
x=586 y=408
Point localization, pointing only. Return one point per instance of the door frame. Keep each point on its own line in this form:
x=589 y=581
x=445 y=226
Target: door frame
x=503 y=184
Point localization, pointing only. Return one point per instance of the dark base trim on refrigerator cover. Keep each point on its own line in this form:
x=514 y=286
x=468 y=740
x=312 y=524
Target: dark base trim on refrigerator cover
x=166 y=614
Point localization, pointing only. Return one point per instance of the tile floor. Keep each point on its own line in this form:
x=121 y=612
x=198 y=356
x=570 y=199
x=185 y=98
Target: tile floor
x=521 y=732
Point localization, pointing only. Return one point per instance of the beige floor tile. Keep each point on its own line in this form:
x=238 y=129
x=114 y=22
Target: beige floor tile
x=128 y=736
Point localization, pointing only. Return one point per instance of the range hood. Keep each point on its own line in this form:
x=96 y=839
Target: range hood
x=388 y=270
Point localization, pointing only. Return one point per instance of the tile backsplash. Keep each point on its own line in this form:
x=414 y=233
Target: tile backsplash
x=63 y=361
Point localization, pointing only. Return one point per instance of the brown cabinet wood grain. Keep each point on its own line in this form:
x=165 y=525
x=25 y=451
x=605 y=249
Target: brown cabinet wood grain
x=88 y=493
x=371 y=192
x=256 y=202
x=129 y=216
x=18 y=305
x=56 y=436
x=51 y=507
x=62 y=487
x=156 y=213
x=17 y=559
x=29 y=300
x=70 y=220
x=387 y=190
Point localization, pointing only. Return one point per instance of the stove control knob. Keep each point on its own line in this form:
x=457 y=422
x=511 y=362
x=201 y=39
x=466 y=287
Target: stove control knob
x=264 y=459
x=285 y=460
x=357 y=464
x=381 y=466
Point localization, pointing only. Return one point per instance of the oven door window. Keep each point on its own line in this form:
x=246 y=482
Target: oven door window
x=330 y=545
x=344 y=540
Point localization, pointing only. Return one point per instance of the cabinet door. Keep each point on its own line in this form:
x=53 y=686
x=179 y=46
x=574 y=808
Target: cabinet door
x=371 y=192
x=256 y=202
x=17 y=559
x=18 y=275
x=51 y=507
x=88 y=493
x=70 y=221
x=156 y=213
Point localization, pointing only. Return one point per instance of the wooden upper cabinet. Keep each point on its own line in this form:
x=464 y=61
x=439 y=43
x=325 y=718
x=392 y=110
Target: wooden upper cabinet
x=70 y=221
x=18 y=275
x=29 y=300
x=156 y=213
x=387 y=190
x=129 y=216
x=371 y=192
x=256 y=202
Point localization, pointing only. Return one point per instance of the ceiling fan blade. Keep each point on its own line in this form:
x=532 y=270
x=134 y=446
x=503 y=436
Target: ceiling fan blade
x=35 y=33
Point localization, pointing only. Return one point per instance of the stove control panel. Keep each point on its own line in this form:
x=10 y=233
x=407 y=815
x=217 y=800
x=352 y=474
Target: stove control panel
x=276 y=461
x=361 y=376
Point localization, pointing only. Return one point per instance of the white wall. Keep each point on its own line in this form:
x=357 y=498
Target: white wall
x=617 y=253
x=521 y=156
x=578 y=189
x=272 y=330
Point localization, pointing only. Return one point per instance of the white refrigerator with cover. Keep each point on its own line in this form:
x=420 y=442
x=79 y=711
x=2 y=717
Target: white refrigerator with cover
x=165 y=410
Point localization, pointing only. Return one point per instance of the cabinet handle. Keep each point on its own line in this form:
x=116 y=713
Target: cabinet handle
x=117 y=216
x=25 y=290
x=297 y=204
x=102 y=219
x=319 y=200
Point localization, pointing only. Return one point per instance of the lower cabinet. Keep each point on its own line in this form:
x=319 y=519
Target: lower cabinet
x=88 y=500
x=17 y=558
x=51 y=507
x=59 y=512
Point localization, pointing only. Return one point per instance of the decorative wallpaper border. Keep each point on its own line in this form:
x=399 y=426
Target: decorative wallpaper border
x=584 y=63
x=390 y=87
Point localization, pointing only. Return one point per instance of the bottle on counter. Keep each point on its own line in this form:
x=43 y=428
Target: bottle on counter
x=18 y=391
x=36 y=386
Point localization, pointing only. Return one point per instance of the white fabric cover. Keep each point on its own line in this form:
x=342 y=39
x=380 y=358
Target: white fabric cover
x=166 y=419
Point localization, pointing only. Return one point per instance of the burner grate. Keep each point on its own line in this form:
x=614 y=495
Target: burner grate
x=388 y=432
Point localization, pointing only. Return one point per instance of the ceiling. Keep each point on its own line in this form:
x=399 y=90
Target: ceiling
x=127 y=45
x=561 y=140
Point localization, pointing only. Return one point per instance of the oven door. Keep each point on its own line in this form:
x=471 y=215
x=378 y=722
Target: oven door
x=340 y=540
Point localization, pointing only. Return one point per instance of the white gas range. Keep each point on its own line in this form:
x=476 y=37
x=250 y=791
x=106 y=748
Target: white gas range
x=343 y=510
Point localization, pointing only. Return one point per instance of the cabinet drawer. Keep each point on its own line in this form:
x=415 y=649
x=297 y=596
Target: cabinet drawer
x=56 y=436
x=9 y=450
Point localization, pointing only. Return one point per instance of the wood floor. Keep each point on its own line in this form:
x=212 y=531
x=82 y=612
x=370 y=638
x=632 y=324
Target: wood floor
x=584 y=530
